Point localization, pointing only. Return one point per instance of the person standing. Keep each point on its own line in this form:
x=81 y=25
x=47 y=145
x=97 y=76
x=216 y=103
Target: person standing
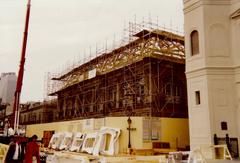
x=32 y=151
x=15 y=153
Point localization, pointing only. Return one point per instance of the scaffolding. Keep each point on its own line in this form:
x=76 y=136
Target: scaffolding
x=143 y=76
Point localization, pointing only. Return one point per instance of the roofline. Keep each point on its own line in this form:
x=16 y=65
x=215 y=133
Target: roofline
x=141 y=35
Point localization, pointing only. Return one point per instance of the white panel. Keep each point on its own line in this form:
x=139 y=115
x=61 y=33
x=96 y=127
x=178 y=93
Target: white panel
x=81 y=77
x=198 y=114
x=218 y=41
x=199 y=124
x=92 y=73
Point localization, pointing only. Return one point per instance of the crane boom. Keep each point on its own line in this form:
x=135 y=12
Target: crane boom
x=15 y=116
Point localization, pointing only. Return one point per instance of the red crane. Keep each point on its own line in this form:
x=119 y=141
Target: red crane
x=15 y=116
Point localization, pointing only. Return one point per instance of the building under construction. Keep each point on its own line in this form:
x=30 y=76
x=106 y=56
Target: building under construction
x=145 y=77
x=138 y=87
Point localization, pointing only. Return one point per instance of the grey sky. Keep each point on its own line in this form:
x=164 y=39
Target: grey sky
x=61 y=30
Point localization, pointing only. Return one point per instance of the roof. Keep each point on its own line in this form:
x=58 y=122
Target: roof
x=158 y=44
x=144 y=34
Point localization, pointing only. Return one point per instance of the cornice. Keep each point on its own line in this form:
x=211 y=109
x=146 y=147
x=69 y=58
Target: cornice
x=235 y=1
x=211 y=71
x=190 y=5
x=237 y=69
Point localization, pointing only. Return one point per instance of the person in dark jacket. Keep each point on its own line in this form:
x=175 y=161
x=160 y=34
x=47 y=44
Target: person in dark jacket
x=15 y=153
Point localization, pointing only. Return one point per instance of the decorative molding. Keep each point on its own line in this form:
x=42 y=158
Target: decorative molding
x=211 y=2
x=235 y=15
x=210 y=71
x=235 y=1
x=237 y=73
x=190 y=5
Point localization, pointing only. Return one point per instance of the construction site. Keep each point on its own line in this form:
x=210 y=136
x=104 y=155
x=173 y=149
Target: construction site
x=138 y=90
x=138 y=87
x=156 y=96
x=144 y=77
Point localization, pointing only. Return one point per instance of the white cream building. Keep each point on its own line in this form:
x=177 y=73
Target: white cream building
x=212 y=37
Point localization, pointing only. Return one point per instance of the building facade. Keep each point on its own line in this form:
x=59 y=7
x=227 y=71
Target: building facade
x=145 y=77
x=212 y=37
x=38 y=112
x=7 y=87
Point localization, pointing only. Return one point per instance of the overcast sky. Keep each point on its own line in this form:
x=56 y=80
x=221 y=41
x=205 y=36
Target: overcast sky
x=60 y=31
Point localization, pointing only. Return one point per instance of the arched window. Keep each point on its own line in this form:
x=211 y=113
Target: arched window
x=194 y=43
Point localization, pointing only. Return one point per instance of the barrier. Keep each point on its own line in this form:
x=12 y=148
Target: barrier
x=3 y=152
